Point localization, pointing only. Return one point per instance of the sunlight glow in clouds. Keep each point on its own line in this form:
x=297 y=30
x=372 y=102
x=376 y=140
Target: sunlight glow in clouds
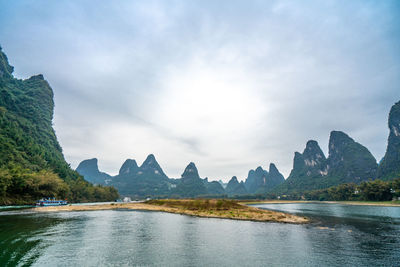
x=218 y=103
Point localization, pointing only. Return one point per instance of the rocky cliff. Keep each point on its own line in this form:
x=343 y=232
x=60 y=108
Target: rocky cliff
x=389 y=168
x=90 y=170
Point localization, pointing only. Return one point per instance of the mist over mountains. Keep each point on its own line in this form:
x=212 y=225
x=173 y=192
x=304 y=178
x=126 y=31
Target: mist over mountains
x=150 y=180
x=348 y=162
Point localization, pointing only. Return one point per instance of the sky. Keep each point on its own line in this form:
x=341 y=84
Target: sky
x=229 y=85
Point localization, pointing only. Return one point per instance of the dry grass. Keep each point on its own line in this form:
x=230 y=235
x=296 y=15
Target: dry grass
x=198 y=204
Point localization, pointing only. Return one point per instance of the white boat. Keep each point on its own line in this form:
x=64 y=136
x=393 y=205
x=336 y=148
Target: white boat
x=50 y=202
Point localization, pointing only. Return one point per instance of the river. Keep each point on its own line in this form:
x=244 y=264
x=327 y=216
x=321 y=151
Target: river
x=339 y=235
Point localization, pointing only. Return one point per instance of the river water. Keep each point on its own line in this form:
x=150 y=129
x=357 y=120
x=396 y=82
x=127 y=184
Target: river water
x=339 y=235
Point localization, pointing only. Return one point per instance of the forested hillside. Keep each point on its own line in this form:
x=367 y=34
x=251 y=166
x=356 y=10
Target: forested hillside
x=31 y=161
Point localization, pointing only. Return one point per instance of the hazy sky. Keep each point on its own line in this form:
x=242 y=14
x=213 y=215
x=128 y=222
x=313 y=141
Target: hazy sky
x=229 y=85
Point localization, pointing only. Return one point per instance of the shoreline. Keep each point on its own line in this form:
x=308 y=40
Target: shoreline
x=355 y=203
x=367 y=203
x=244 y=212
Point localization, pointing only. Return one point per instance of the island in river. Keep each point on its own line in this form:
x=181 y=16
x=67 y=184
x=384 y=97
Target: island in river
x=210 y=208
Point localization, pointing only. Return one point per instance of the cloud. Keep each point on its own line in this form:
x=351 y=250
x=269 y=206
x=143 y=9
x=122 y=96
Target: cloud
x=230 y=85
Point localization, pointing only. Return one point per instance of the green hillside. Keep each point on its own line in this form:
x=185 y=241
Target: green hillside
x=348 y=162
x=31 y=161
x=390 y=164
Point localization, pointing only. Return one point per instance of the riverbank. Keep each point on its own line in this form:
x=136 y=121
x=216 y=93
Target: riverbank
x=274 y=201
x=359 y=203
x=226 y=209
x=367 y=203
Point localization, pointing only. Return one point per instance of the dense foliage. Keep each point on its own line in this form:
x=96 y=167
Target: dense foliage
x=190 y=188
x=214 y=187
x=31 y=160
x=376 y=190
x=235 y=188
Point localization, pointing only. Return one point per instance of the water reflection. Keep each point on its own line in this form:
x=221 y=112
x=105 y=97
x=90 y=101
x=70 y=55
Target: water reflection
x=20 y=237
x=371 y=232
x=339 y=236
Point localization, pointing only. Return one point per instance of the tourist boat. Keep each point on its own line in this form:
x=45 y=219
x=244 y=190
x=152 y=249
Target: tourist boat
x=50 y=202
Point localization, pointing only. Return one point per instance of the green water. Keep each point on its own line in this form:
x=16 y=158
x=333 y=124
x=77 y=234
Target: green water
x=339 y=235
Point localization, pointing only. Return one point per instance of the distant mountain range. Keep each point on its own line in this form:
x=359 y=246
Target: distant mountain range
x=347 y=162
x=150 y=180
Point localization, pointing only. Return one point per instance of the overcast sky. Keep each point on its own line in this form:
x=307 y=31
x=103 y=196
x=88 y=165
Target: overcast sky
x=229 y=85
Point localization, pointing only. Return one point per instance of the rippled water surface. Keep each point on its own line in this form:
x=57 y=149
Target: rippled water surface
x=340 y=235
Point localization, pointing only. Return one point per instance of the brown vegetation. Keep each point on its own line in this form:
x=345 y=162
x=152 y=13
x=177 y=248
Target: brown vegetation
x=210 y=208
